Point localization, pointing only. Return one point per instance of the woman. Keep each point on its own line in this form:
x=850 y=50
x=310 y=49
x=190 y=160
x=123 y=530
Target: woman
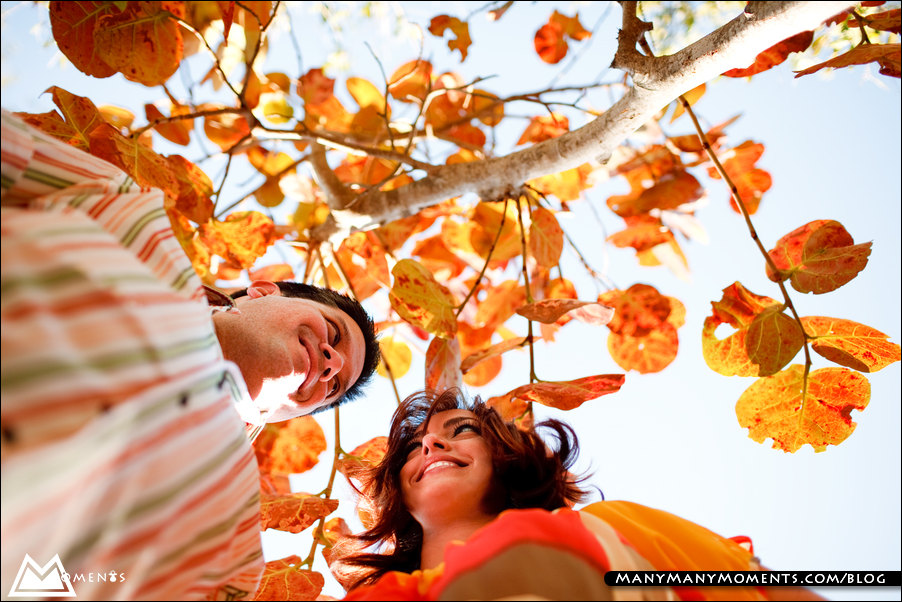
x=466 y=506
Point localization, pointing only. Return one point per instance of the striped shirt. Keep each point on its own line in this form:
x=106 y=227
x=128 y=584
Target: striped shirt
x=124 y=450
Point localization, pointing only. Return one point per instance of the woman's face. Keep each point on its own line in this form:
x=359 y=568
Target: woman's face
x=448 y=473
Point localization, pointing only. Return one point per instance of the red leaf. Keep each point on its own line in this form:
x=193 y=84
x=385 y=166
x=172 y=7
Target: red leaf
x=549 y=311
x=775 y=55
x=283 y=580
x=888 y=56
x=637 y=310
x=293 y=512
x=567 y=395
x=550 y=43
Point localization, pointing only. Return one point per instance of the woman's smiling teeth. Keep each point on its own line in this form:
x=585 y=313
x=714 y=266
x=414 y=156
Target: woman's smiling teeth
x=438 y=464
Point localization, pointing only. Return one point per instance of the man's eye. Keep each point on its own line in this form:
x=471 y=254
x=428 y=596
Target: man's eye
x=334 y=389
x=336 y=338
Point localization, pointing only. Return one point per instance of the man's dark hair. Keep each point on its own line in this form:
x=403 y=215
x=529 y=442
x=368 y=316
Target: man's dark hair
x=356 y=312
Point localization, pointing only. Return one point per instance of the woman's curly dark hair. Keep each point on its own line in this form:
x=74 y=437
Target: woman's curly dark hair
x=530 y=473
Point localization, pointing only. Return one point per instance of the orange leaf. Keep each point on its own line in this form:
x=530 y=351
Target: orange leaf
x=888 y=20
x=411 y=79
x=293 y=512
x=364 y=170
x=366 y=94
x=738 y=308
x=437 y=258
x=637 y=310
x=80 y=114
x=284 y=580
x=546 y=238
x=460 y=30
x=692 y=97
x=273 y=272
x=544 y=127
x=396 y=354
x=851 y=344
x=241 y=238
x=642 y=233
x=226 y=130
x=443 y=364
x=672 y=190
x=177 y=132
x=888 y=56
x=772 y=340
x=549 y=311
x=467 y=134
x=775 y=55
x=365 y=455
x=144 y=165
x=290 y=447
x=774 y=407
x=484 y=372
x=508 y=406
x=73 y=25
x=566 y=185
x=500 y=303
x=485 y=106
x=818 y=257
x=422 y=301
x=550 y=43
x=315 y=88
x=495 y=350
x=646 y=354
x=570 y=26
x=570 y=394
x=143 y=42
x=491 y=221
x=194 y=189
x=267 y=162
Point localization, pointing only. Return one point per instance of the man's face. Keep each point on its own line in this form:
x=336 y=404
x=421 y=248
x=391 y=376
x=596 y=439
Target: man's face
x=296 y=355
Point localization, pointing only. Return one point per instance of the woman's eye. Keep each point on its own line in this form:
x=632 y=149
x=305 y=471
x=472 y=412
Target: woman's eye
x=466 y=426
x=412 y=447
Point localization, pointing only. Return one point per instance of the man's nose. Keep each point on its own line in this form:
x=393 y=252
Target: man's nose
x=432 y=442
x=332 y=362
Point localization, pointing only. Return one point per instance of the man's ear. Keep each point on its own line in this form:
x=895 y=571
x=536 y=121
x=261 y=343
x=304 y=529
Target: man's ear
x=262 y=288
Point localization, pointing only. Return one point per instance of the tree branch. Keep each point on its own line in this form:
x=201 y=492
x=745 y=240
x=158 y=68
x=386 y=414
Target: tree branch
x=663 y=79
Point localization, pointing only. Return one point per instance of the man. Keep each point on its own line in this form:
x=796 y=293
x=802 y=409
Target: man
x=126 y=393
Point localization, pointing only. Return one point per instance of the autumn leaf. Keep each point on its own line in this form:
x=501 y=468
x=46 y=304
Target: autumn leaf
x=422 y=301
x=73 y=25
x=194 y=190
x=637 y=310
x=396 y=354
x=646 y=354
x=773 y=407
x=459 y=30
x=143 y=42
x=226 y=130
x=443 y=364
x=751 y=182
x=818 y=257
x=290 y=447
x=739 y=308
x=571 y=26
x=80 y=115
x=241 y=238
x=672 y=190
x=267 y=162
x=293 y=512
x=851 y=344
x=364 y=456
x=508 y=406
x=642 y=232
x=493 y=229
x=544 y=127
x=411 y=79
x=178 y=131
x=284 y=580
x=549 y=311
x=888 y=20
x=692 y=97
x=570 y=394
x=772 y=340
x=888 y=56
x=550 y=44
x=272 y=272
x=436 y=257
x=144 y=165
x=774 y=55
x=546 y=238
x=495 y=350
x=500 y=303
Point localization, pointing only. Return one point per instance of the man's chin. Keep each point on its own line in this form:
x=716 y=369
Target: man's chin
x=276 y=402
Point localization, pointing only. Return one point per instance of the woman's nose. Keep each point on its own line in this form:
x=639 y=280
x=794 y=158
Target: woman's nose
x=432 y=442
x=332 y=362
